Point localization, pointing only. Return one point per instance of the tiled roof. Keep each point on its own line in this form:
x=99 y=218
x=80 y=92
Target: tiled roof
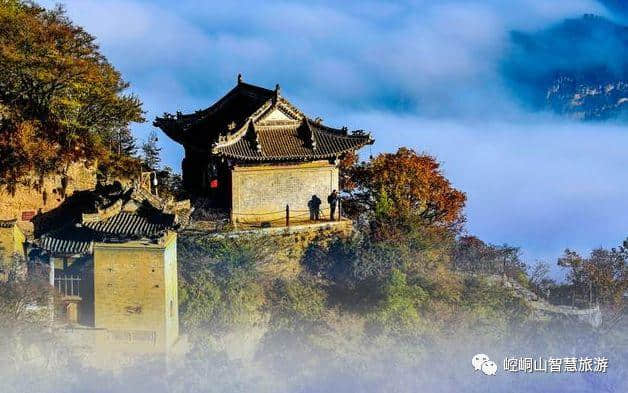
x=224 y=129
x=129 y=225
x=79 y=235
x=293 y=143
x=231 y=111
x=123 y=226
x=69 y=240
x=7 y=223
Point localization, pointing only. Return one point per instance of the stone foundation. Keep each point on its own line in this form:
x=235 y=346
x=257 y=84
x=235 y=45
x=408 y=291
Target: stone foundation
x=292 y=242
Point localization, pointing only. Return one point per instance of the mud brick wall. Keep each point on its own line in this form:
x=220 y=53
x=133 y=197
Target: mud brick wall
x=11 y=242
x=264 y=189
x=135 y=290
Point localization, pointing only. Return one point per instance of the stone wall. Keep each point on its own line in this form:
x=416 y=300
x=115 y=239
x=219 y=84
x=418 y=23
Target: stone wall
x=171 y=292
x=27 y=200
x=289 y=244
x=11 y=242
x=135 y=295
x=293 y=243
x=261 y=193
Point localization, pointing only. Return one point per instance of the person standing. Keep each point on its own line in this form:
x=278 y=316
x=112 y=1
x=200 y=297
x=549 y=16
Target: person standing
x=314 y=205
x=333 y=202
x=317 y=207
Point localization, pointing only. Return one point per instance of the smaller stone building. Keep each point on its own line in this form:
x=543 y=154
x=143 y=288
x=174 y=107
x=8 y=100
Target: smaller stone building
x=253 y=153
x=113 y=259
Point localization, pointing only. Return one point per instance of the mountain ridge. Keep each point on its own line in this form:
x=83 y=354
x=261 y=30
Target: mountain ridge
x=577 y=68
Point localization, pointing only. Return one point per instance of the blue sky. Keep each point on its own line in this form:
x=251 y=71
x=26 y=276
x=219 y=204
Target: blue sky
x=423 y=74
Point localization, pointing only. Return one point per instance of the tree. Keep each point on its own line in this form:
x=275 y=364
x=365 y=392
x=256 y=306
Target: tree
x=218 y=282
x=151 y=151
x=574 y=262
x=606 y=274
x=124 y=143
x=22 y=295
x=60 y=99
x=26 y=302
x=474 y=255
x=601 y=278
x=170 y=184
x=347 y=162
x=296 y=304
x=414 y=186
x=540 y=281
x=398 y=310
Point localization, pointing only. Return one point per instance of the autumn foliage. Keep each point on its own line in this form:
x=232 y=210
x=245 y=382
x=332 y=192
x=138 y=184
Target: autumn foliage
x=601 y=278
x=409 y=185
x=60 y=99
x=346 y=164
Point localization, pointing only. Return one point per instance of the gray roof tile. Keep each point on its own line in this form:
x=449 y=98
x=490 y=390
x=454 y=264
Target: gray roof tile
x=293 y=143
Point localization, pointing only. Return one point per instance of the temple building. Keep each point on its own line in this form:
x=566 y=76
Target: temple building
x=253 y=153
x=111 y=255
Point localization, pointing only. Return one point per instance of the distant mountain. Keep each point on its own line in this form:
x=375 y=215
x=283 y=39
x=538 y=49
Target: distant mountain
x=578 y=68
x=588 y=100
x=618 y=6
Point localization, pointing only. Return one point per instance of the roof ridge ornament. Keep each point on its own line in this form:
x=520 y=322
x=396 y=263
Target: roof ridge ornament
x=254 y=136
x=277 y=91
x=310 y=132
x=239 y=78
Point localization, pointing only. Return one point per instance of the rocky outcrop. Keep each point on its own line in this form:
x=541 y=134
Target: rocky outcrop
x=584 y=100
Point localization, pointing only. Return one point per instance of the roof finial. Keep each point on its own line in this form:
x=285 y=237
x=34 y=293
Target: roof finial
x=239 y=78
x=277 y=89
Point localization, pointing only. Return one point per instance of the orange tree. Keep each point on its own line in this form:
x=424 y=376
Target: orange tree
x=406 y=186
x=60 y=99
x=346 y=164
x=408 y=215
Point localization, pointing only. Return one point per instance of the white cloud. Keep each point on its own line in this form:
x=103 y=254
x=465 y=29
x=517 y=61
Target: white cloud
x=420 y=53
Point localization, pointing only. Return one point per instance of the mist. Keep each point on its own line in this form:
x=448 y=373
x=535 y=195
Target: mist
x=292 y=363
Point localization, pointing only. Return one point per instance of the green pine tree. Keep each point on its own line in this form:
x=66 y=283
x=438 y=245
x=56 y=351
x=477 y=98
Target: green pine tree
x=124 y=143
x=151 y=151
